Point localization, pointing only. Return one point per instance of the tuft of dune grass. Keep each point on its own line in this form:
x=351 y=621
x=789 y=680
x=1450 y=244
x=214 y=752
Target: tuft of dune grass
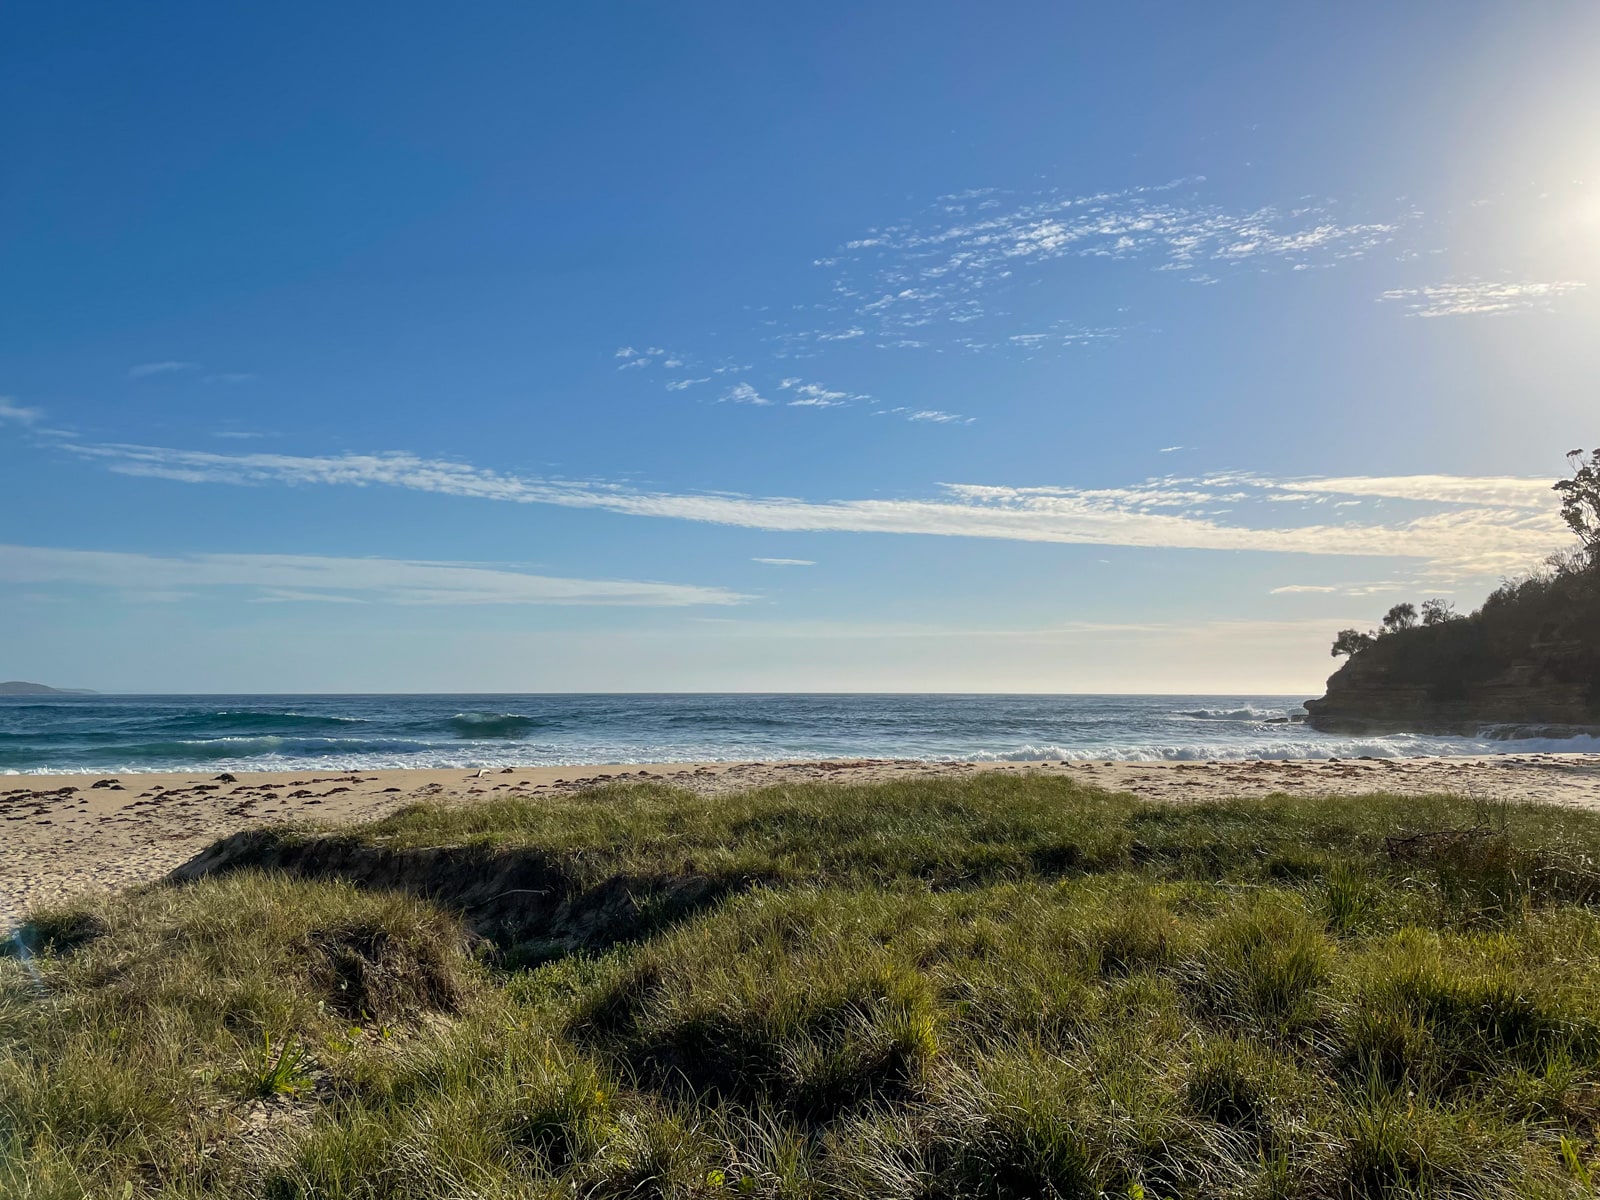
x=984 y=987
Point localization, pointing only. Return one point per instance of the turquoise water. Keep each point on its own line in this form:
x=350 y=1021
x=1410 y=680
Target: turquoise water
x=157 y=733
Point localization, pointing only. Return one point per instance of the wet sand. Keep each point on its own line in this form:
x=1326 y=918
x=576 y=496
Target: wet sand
x=65 y=834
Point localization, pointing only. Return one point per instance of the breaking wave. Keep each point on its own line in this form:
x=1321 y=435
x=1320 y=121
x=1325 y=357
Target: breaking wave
x=255 y=722
x=1565 y=736
x=1236 y=714
x=211 y=749
x=1398 y=746
x=491 y=725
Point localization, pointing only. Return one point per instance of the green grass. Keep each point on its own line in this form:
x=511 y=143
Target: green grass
x=982 y=987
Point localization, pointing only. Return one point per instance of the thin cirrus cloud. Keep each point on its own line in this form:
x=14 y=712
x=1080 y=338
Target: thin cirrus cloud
x=179 y=367
x=1508 y=491
x=940 y=266
x=801 y=393
x=1344 y=589
x=1480 y=298
x=164 y=367
x=933 y=416
x=934 y=280
x=815 y=395
x=20 y=414
x=301 y=577
x=786 y=562
x=1459 y=526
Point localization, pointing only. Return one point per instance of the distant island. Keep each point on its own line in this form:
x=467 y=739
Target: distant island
x=1528 y=660
x=17 y=687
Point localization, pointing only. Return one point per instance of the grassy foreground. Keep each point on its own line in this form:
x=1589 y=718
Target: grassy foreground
x=982 y=987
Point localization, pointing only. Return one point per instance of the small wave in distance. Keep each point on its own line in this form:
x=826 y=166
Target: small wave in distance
x=1239 y=714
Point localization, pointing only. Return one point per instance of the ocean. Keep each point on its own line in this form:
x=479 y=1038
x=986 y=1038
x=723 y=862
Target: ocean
x=263 y=733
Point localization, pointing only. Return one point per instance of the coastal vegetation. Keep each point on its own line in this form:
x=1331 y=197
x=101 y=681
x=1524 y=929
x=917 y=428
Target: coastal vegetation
x=1580 y=498
x=999 y=985
x=1529 y=655
x=1548 y=618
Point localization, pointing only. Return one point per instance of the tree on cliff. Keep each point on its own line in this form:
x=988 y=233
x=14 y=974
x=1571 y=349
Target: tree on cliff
x=1350 y=641
x=1560 y=599
x=1580 y=499
x=1437 y=612
x=1401 y=616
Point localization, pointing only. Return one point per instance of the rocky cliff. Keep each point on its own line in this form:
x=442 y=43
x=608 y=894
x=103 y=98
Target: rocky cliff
x=1528 y=660
x=1372 y=695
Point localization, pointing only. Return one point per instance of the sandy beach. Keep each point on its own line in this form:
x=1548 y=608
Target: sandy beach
x=62 y=835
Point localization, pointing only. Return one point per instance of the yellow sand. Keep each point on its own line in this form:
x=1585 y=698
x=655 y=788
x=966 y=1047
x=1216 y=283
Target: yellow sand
x=56 y=842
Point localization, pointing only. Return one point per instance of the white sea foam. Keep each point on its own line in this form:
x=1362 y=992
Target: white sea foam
x=1236 y=714
x=1396 y=747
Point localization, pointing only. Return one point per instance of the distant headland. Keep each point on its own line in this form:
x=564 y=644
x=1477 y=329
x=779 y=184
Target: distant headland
x=1527 y=661
x=17 y=687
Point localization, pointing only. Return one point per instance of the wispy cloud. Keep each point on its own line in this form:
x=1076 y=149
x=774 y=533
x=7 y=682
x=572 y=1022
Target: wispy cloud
x=658 y=360
x=180 y=367
x=789 y=391
x=933 y=416
x=1480 y=298
x=786 y=562
x=165 y=367
x=743 y=393
x=651 y=356
x=283 y=577
x=1061 y=333
x=1344 y=589
x=1472 y=526
x=293 y=596
x=1499 y=490
x=797 y=392
x=941 y=265
x=814 y=395
x=934 y=280
x=10 y=410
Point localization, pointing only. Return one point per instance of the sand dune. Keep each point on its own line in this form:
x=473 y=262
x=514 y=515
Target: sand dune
x=66 y=834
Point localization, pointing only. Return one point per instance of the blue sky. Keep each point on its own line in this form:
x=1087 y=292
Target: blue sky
x=828 y=347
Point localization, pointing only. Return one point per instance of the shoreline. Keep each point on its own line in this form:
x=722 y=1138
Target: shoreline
x=61 y=835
